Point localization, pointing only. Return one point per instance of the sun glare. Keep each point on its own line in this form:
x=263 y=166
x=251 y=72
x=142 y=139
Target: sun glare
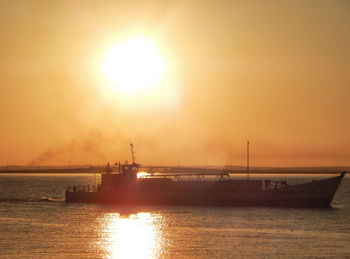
x=133 y=66
x=140 y=74
x=142 y=174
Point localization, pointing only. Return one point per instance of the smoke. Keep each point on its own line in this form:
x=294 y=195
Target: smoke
x=91 y=145
x=174 y=145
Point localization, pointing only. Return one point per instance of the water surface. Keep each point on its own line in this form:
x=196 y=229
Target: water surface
x=36 y=222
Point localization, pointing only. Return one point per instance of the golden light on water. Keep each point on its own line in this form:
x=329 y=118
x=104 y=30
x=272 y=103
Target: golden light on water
x=135 y=236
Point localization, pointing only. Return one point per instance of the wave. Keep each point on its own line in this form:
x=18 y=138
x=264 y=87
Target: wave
x=30 y=199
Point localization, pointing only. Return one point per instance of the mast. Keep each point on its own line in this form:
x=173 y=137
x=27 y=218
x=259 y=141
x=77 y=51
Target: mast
x=248 y=160
x=132 y=153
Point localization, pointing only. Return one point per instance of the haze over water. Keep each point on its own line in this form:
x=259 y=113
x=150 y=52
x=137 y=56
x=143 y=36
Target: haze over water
x=186 y=81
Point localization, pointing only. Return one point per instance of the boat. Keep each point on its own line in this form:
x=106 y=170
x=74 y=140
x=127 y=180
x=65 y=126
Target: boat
x=124 y=187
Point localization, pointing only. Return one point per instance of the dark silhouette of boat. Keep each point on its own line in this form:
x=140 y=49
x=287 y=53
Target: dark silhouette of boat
x=125 y=188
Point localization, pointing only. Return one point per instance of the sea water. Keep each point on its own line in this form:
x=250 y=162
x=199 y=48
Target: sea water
x=35 y=222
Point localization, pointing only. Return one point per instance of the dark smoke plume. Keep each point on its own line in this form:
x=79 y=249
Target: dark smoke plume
x=90 y=144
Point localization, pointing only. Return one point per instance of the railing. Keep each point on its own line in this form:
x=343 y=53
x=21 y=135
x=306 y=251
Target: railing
x=190 y=177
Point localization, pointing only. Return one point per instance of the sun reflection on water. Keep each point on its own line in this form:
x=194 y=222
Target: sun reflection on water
x=133 y=236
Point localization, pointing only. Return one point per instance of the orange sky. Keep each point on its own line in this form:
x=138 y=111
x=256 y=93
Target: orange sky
x=273 y=72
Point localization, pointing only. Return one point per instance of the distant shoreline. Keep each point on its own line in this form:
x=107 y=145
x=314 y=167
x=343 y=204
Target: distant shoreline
x=94 y=170
x=53 y=171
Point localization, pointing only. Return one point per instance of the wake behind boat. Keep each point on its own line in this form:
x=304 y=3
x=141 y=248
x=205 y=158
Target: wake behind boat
x=124 y=187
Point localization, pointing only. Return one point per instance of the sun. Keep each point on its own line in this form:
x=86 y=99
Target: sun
x=133 y=66
x=139 y=74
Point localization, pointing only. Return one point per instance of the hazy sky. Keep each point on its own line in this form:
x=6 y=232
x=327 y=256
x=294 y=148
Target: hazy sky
x=274 y=72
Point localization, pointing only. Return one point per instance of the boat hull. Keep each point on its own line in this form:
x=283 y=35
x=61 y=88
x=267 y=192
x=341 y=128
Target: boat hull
x=316 y=194
x=194 y=199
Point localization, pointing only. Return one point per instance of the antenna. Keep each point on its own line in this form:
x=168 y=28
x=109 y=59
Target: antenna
x=132 y=153
x=248 y=160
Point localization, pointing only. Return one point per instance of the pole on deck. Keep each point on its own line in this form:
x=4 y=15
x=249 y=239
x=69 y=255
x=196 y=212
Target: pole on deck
x=248 y=160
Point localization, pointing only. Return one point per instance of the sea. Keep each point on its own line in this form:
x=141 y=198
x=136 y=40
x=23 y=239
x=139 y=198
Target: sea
x=35 y=222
